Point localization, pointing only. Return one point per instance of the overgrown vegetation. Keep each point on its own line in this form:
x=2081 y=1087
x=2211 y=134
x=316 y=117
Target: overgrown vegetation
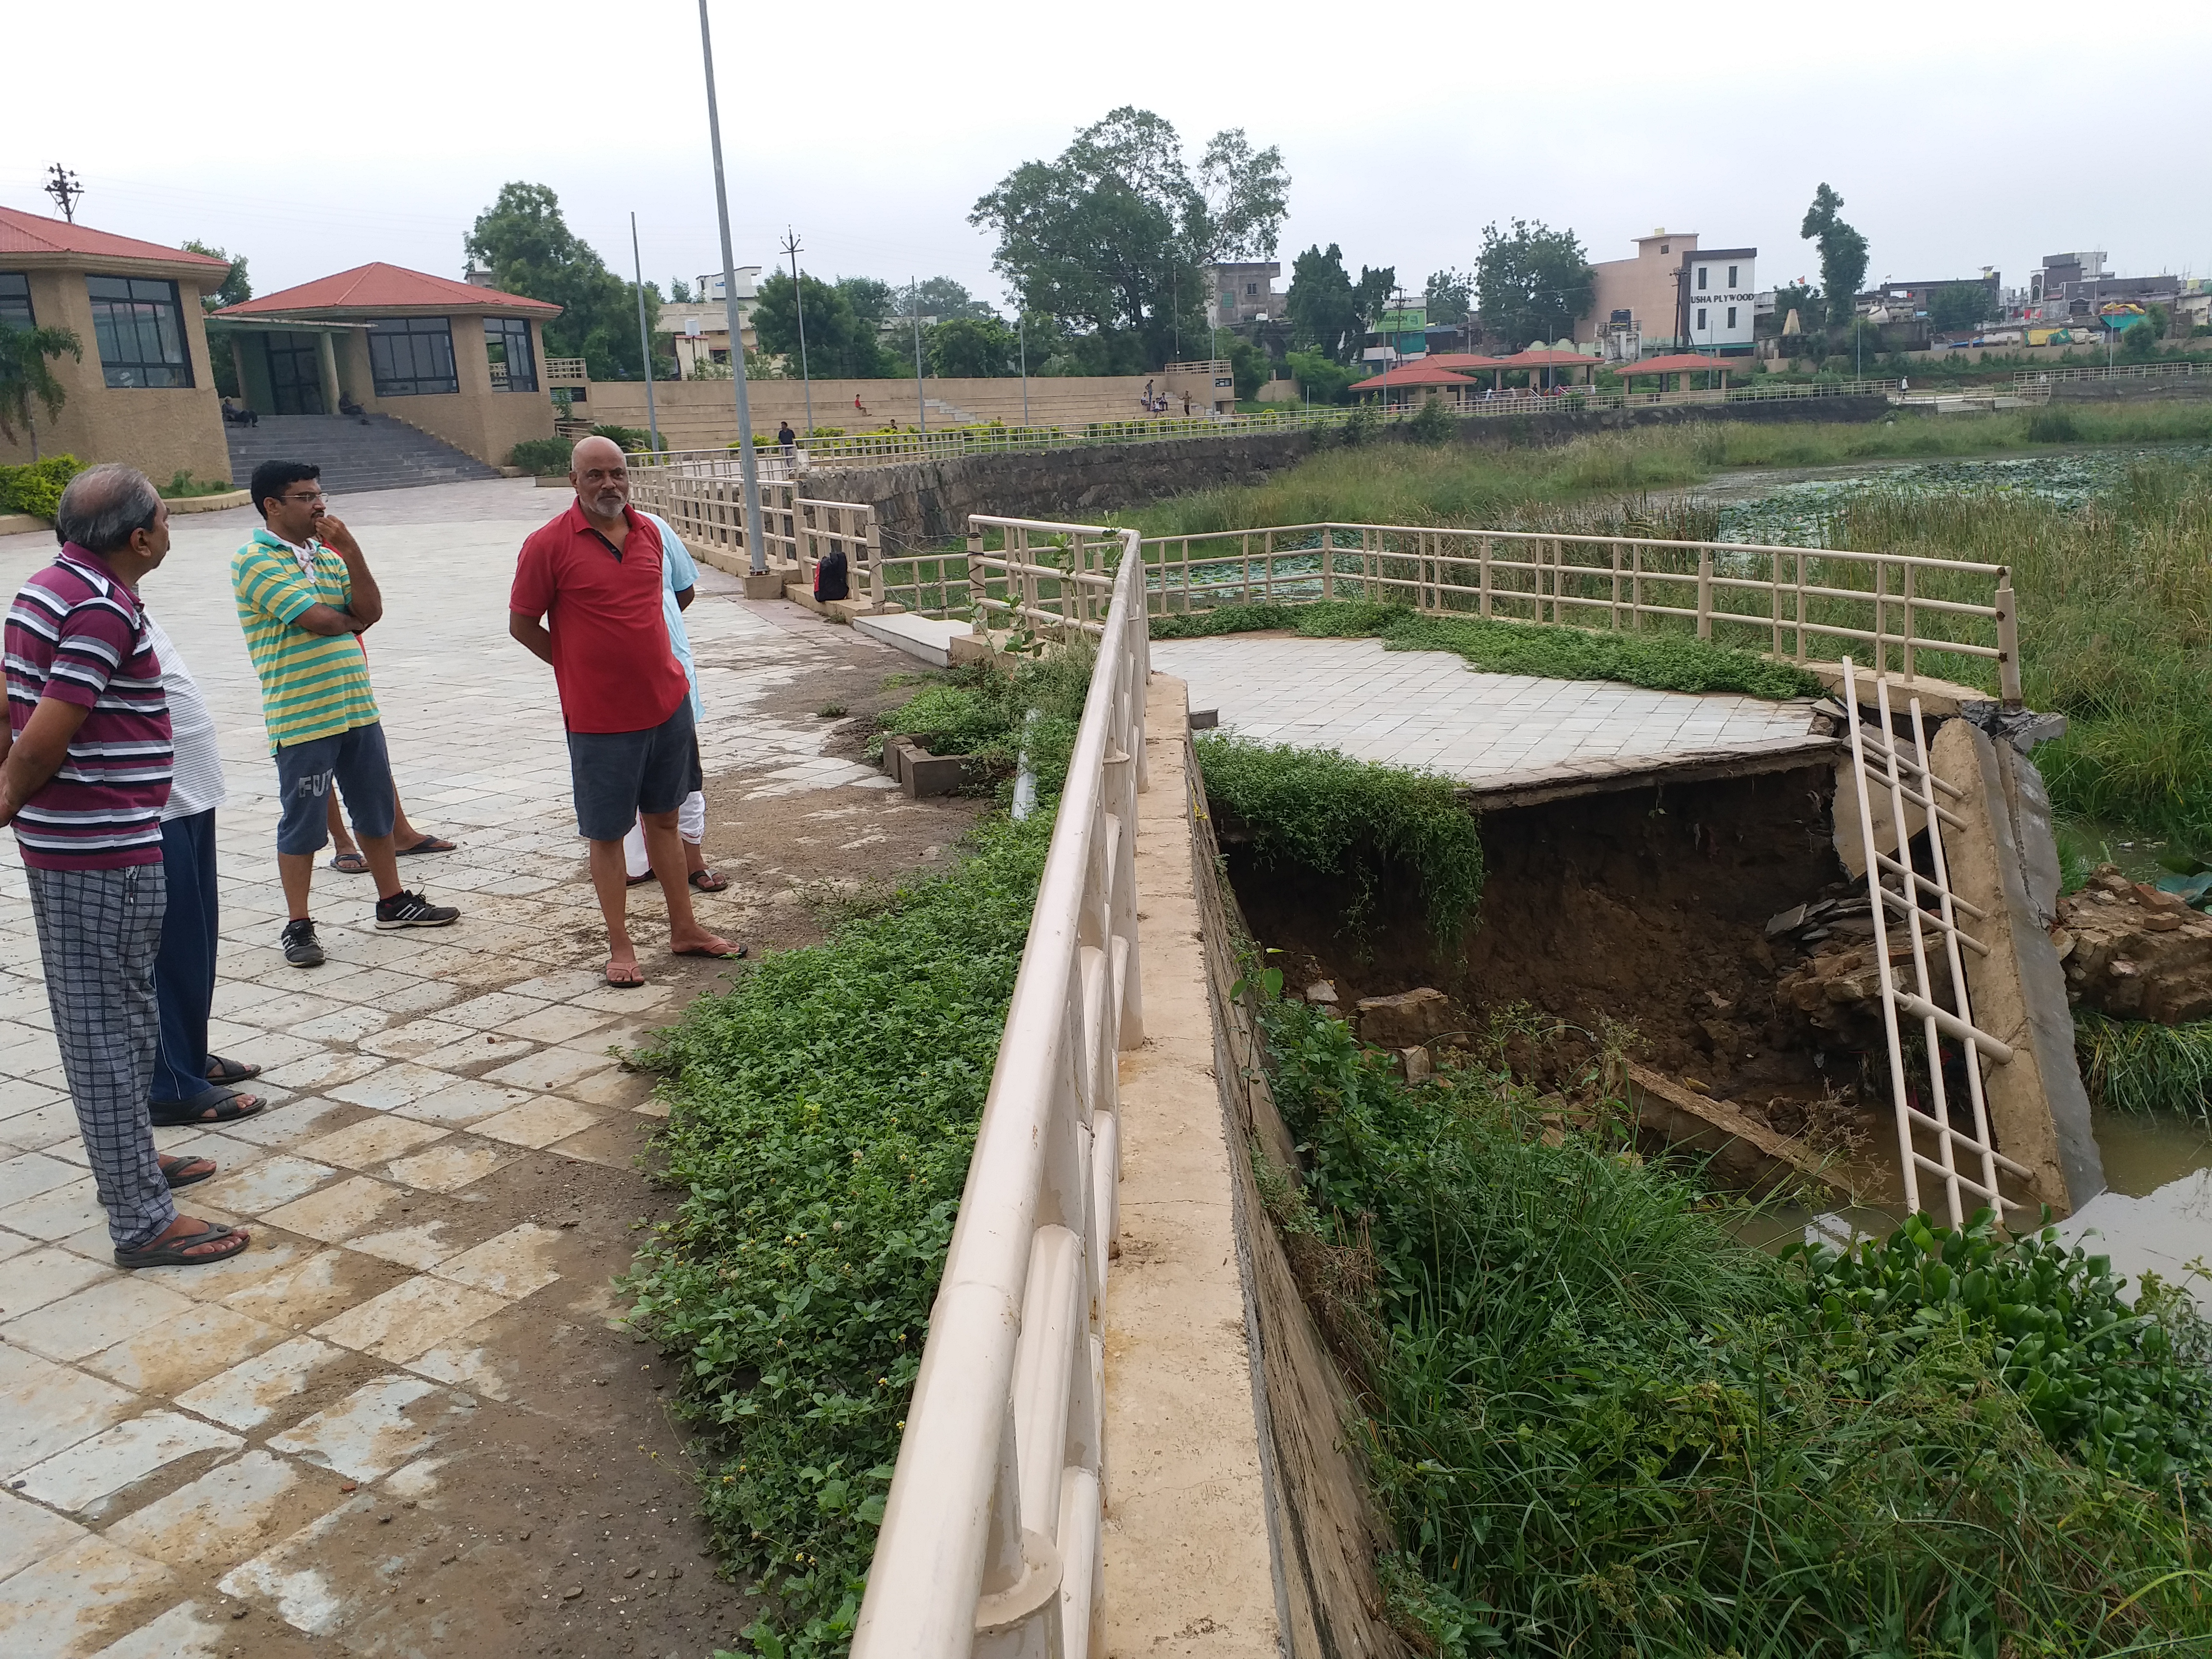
x=547 y=458
x=2141 y=1065
x=983 y=710
x=823 y=1112
x=1597 y=1425
x=1661 y=662
x=1352 y=820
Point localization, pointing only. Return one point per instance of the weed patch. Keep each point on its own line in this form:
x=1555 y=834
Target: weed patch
x=1353 y=820
x=1597 y=1424
x=2141 y=1065
x=822 y=1113
x=981 y=710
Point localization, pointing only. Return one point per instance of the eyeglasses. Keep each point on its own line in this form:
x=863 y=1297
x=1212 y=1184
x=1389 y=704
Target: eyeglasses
x=317 y=497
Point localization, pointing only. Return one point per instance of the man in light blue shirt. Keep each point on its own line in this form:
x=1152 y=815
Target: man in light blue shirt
x=679 y=579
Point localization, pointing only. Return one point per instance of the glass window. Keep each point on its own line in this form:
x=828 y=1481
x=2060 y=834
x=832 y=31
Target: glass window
x=1701 y=316
x=1703 y=271
x=15 y=301
x=140 y=331
x=411 y=356
x=1731 y=322
x=1731 y=275
x=515 y=366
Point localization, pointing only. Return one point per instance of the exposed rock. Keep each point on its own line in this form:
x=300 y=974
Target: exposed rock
x=1322 y=991
x=1405 y=1021
x=2134 y=952
x=1838 y=989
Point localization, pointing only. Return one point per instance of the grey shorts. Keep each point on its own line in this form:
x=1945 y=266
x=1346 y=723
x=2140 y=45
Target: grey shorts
x=616 y=775
x=357 y=761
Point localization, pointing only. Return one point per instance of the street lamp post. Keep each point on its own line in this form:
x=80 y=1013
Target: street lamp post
x=798 y=298
x=748 y=463
x=644 y=337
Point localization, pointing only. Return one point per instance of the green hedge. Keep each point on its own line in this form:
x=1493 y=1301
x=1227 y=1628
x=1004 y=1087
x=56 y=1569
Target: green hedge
x=37 y=488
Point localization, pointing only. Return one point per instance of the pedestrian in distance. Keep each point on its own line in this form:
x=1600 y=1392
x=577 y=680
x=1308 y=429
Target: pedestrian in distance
x=303 y=593
x=788 y=439
x=190 y=1086
x=84 y=773
x=587 y=600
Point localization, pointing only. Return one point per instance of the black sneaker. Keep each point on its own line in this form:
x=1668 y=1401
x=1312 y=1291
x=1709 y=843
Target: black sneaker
x=405 y=909
x=302 y=948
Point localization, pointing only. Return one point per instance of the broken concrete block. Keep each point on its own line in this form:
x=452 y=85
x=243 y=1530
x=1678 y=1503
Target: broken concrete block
x=1405 y=1020
x=1787 y=921
x=1322 y=991
x=1418 y=1065
x=1205 y=719
x=934 y=774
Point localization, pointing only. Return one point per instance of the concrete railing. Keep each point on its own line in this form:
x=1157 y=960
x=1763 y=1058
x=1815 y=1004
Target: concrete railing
x=991 y=1539
x=2027 y=378
x=1778 y=599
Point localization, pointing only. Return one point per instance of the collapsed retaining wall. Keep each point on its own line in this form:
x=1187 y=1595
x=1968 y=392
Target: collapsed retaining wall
x=926 y=503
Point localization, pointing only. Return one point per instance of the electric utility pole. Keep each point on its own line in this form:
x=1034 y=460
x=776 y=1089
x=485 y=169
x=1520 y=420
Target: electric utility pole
x=919 y=402
x=1022 y=331
x=64 y=188
x=644 y=337
x=791 y=246
x=748 y=463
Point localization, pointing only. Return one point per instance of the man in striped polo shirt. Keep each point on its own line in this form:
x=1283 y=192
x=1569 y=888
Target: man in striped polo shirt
x=84 y=777
x=304 y=591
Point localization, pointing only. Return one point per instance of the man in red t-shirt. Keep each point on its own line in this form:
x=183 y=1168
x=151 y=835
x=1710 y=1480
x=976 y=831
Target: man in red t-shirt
x=593 y=575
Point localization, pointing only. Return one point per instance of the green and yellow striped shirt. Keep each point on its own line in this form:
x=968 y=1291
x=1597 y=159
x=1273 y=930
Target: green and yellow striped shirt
x=312 y=685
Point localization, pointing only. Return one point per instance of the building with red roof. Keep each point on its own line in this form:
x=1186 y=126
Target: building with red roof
x=143 y=391
x=463 y=362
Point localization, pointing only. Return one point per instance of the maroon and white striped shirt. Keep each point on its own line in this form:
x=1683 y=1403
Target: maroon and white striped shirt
x=76 y=634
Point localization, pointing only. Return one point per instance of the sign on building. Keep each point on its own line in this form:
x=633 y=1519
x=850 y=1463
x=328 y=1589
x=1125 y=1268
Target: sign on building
x=1720 y=298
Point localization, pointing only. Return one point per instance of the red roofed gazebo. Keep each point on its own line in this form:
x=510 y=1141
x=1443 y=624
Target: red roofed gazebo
x=463 y=362
x=1424 y=375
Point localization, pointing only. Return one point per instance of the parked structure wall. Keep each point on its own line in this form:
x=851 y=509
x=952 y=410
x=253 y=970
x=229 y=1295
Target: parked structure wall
x=158 y=429
x=476 y=420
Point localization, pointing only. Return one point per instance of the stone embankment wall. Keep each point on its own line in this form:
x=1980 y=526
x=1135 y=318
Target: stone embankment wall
x=2151 y=389
x=927 y=503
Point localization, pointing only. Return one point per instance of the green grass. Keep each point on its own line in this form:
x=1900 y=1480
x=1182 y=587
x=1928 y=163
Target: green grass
x=983 y=709
x=1352 y=820
x=1595 y=1425
x=822 y=1113
x=2140 y=1065
x=1659 y=661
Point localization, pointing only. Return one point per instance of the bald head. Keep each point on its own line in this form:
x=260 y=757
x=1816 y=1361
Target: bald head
x=600 y=472
x=104 y=508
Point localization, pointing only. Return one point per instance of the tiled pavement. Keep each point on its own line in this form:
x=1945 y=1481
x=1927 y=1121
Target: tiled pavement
x=1427 y=708
x=157 y=1453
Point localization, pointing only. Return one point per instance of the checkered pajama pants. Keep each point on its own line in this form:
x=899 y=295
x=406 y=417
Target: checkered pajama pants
x=99 y=931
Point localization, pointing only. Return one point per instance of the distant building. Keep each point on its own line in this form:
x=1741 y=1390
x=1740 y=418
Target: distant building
x=2077 y=284
x=1244 y=293
x=1400 y=334
x=144 y=390
x=700 y=329
x=1905 y=301
x=1673 y=296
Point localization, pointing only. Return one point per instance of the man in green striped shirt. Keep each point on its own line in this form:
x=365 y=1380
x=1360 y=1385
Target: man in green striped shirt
x=304 y=594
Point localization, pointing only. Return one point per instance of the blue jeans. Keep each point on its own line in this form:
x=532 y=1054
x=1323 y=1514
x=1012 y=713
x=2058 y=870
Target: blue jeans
x=184 y=968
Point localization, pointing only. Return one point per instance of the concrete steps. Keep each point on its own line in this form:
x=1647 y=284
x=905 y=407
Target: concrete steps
x=356 y=454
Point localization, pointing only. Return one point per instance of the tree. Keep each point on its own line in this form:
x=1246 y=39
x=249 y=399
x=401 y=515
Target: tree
x=1111 y=235
x=970 y=348
x=1320 y=377
x=526 y=244
x=1450 y=295
x=840 y=345
x=679 y=291
x=1957 y=306
x=234 y=289
x=939 y=297
x=1801 y=297
x=1843 y=254
x=1371 y=296
x=1323 y=317
x=1249 y=368
x=1533 y=283
x=24 y=355
x=2139 y=340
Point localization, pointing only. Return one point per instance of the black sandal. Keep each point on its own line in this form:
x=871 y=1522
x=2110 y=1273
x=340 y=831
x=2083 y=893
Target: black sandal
x=226 y=1072
x=709 y=881
x=170 y=1253
x=212 y=1106
x=170 y=1166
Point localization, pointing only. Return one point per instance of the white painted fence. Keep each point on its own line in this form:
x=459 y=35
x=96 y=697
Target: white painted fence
x=990 y=1543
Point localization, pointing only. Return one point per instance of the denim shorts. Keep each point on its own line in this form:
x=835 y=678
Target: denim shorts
x=616 y=775
x=357 y=761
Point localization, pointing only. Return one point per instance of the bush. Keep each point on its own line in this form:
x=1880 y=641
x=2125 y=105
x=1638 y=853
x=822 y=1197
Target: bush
x=1432 y=423
x=629 y=437
x=2052 y=426
x=546 y=457
x=37 y=488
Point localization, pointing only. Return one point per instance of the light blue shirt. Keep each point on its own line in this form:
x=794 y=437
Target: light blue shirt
x=677 y=572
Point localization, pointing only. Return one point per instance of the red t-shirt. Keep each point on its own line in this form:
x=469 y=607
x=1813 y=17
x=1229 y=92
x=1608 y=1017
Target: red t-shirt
x=612 y=658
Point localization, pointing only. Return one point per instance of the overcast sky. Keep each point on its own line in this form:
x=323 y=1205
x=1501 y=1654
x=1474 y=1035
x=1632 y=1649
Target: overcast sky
x=313 y=138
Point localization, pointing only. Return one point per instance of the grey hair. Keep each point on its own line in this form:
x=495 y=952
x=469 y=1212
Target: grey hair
x=103 y=505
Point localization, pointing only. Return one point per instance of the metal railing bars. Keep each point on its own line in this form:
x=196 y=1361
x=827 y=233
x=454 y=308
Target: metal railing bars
x=990 y=1539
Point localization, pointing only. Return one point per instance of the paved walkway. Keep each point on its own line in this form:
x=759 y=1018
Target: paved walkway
x=1429 y=709
x=181 y=1447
